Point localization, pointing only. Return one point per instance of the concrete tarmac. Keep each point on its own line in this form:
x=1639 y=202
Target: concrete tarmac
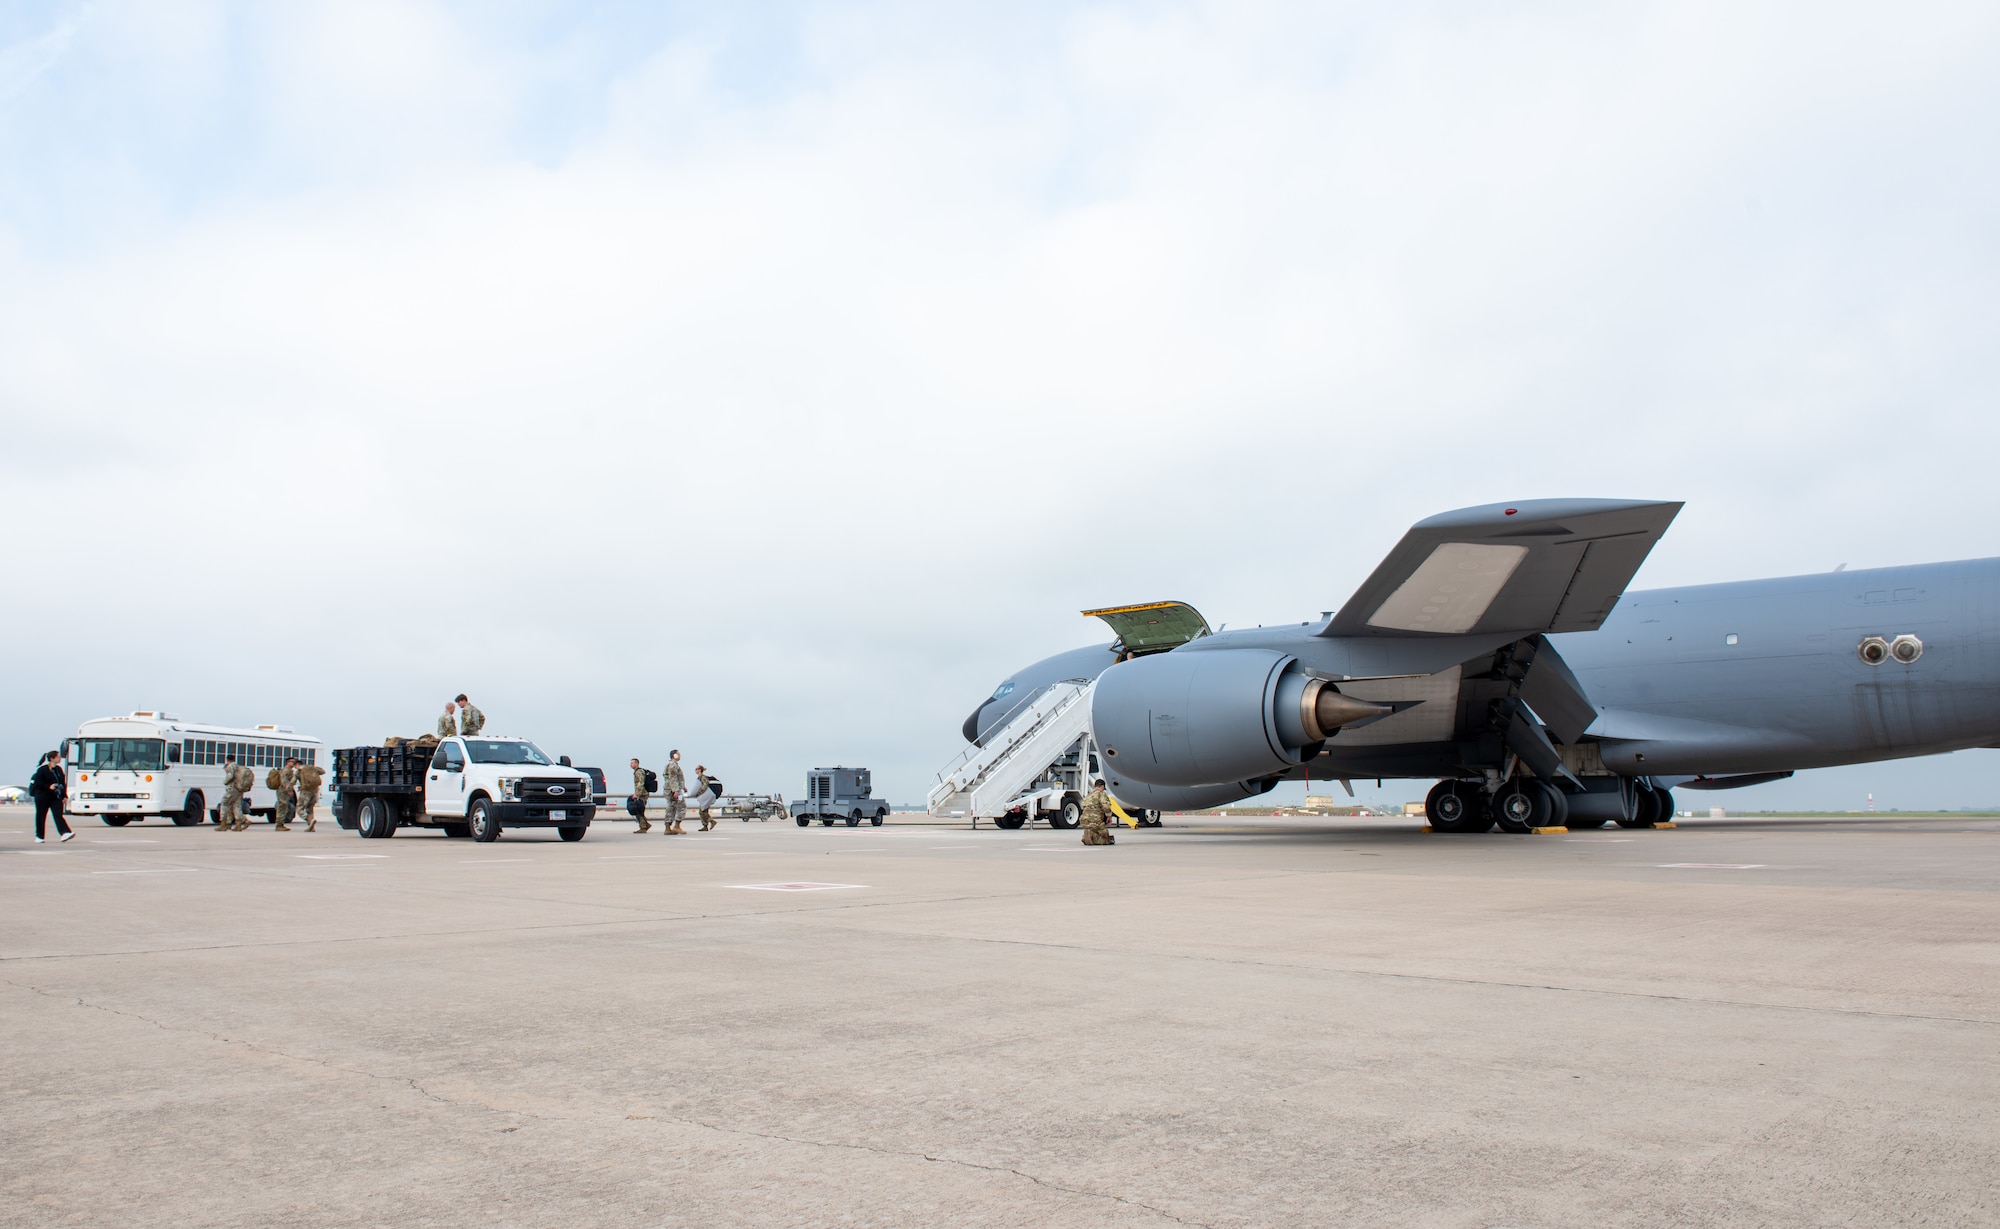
x=1237 y=1022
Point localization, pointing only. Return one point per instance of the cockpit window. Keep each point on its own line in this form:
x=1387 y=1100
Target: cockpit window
x=1004 y=690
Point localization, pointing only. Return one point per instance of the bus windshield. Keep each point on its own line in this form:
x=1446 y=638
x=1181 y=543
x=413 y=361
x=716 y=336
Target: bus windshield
x=121 y=754
x=484 y=751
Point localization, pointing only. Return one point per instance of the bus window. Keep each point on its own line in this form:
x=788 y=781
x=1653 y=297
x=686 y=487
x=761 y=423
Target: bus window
x=173 y=753
x=126 y=754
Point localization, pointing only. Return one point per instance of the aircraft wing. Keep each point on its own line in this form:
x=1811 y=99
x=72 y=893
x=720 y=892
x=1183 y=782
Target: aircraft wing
x=1543 y=565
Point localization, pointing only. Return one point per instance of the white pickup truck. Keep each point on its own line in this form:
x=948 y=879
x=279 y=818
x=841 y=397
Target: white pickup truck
x=469 y=786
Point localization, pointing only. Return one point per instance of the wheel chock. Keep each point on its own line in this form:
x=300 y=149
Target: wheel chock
x=1548 y=831
x=1425 y=828
x=1669 y=824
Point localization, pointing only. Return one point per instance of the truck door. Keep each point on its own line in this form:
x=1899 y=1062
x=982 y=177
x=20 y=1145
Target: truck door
x=444 y=790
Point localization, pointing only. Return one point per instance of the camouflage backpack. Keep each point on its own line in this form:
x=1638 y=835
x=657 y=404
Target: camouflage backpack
x=310 y=775
x=273 y=781
x=245 y=779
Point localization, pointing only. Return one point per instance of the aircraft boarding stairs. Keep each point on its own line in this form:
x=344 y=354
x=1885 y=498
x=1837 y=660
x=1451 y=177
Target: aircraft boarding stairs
x=989 y=781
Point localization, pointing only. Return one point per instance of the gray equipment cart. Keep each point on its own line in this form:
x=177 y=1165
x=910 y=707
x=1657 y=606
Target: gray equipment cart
x=839 y=793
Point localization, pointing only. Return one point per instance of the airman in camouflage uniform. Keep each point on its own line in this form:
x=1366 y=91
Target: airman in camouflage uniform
x=706 y=796
x=640 y=795
x=446 y=726
x=1097 y=816
x=674 y=782
x=288 y=794
x=310 y=776
x=230 y=817
x=470 y=719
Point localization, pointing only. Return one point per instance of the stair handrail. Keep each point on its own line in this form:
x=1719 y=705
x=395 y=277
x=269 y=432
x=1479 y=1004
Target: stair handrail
x=1034 y=697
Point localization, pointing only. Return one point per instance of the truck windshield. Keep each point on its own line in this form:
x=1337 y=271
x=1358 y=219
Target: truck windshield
x=484 y=752
x=115 y=754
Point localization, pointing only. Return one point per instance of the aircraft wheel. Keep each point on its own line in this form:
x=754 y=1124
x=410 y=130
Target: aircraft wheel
x=1457 y=806
x=1009 y=822
x=1666 y=798
x=1521 y=805
x=1647 y=812
x=1558 y=804
x=1579 y=825
x=1149 y=819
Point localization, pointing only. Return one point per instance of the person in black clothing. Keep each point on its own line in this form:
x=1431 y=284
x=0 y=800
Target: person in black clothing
x=48 y=788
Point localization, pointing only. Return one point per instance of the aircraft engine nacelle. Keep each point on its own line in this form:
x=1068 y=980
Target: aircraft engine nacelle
x=1195 y=717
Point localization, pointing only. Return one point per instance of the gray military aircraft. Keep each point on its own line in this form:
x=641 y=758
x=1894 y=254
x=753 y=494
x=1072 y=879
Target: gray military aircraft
x=1497 y=650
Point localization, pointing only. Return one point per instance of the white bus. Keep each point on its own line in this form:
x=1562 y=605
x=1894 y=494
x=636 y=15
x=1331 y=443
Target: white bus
x=153 y=763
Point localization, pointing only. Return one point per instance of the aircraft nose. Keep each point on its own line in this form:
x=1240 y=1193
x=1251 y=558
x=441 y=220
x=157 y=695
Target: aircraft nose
x=971 y=727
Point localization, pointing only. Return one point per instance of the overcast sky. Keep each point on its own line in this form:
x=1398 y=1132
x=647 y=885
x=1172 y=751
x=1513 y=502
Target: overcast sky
x=770 y=380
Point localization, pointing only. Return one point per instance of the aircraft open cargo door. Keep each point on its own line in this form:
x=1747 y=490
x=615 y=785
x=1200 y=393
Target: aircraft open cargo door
x=1153 y=627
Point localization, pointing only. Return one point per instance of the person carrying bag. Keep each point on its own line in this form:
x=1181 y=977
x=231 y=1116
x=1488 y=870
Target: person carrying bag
x=49 y=787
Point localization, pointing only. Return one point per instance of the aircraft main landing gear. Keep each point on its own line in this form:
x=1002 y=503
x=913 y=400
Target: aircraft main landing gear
x=1458 y=806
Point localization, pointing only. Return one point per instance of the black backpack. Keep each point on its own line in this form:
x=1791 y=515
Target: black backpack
x=652 y=782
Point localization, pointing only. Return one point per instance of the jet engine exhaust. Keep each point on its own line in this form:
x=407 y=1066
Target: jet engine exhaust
x=1323 y=710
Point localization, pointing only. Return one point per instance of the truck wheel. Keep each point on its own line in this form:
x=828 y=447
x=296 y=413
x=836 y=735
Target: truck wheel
x=879 y=816
x=1069 y=817
x=572 y=833
x=458 y=831
x=195 y=811
x=826 y=821
x=805 y=821
x=854 y=820
x=368 y=818
x=484 y=824
x=117 y=821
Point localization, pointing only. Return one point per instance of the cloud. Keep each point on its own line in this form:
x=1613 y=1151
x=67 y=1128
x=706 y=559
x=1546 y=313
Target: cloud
x=774 y=391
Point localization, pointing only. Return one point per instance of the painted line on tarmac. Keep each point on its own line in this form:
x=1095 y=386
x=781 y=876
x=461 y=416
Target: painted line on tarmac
x=123 y=841
x=165 y=870
x=489 y=861
x=339 y=857
x=1712 y=866
x=795 y=887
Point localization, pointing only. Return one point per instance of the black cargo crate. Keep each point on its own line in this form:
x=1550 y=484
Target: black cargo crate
x=387 y=769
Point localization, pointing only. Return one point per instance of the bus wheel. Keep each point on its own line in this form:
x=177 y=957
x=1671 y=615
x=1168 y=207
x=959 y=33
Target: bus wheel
x=195 y=811
x=117 y=821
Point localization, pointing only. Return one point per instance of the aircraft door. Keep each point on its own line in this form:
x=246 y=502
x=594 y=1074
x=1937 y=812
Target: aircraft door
x=444 y=785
